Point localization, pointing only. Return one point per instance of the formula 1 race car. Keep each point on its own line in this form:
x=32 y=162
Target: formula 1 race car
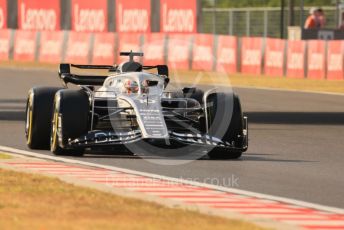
x=131 y=105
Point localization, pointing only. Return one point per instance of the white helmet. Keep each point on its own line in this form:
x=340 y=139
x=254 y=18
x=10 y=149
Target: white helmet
x=131 y=86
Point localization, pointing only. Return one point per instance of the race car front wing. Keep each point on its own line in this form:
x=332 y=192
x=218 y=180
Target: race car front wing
x=108 y=138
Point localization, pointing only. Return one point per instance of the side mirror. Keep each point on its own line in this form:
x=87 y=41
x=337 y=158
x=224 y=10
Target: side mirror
x=64 y=68
x=162 y=70
x=152 y=83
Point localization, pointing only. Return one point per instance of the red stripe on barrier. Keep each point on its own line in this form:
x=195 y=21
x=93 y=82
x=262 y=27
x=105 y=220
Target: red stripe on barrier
x=251 y=55
x=226 y=57
x=316 y=59
x=103 y=49
x=274 y=57
x=178 y=51
x=24 y=45
x=5 y=38
x=128 y=42
x=153 y=49
x=3 y=14
x=335 y=60
x=296 y=59
x=78 y=48
x=50 y=49
x=202 y=52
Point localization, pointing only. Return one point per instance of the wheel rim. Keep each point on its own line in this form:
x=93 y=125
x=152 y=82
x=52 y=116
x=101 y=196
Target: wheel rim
x=54 y=127
x=28 y=124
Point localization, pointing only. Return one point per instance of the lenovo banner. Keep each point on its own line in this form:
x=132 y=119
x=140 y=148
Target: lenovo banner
x=178 y=51
x=50 y=46
x=226 y=58
x=128 y=42
x=202 y=52
x=251 y=55
x=178 y=16
x=296 y=59
x=133 y=16
x=153 y=49
x=3 y=14
x=39 y=15
x=78 y=48
x=316 y=59
x=103 y=49
x=335 y=60
x=5 y=37
x=274 y=57
x=24 y=45
x=89 y=16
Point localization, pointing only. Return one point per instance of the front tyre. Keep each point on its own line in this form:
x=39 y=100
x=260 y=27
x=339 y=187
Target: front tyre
x=70 y=121
x=233 y=132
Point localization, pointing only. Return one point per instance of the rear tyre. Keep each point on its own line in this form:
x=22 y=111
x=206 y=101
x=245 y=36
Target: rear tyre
x=39 y=110
x=70 y=121
x=232 y=132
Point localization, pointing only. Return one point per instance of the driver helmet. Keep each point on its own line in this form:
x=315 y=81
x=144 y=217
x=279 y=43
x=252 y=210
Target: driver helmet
x=131 y=86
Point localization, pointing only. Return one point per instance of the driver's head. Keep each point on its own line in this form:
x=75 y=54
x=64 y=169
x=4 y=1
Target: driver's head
x=131 y=86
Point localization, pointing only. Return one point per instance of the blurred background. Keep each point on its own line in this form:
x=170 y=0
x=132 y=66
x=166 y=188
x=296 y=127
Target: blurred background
x=268 y=18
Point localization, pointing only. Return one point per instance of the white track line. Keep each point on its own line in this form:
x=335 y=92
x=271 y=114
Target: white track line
x=176 y=180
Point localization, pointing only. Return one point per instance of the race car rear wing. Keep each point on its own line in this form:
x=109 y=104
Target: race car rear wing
x=67 y=77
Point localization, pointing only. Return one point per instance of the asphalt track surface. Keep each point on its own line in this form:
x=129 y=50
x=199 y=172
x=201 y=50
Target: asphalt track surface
x=296 y=142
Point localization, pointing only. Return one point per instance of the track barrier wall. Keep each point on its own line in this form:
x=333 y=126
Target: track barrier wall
x=313 y=59
x=167 y=31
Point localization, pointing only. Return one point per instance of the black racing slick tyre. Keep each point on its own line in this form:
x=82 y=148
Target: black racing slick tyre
x=70 y=121
x=194 y=93
x=39 y=110
x=230 y=132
